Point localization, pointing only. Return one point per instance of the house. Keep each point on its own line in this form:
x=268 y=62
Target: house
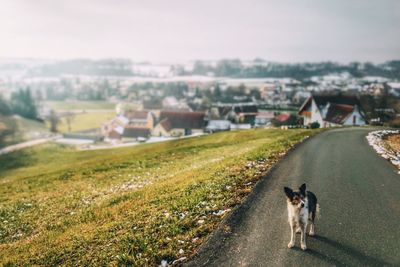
x=245 y=114
x=140 y=118
x=136 y=132
x=164 y=128
x=179 y=123
x=394 y=89
x=234 y=112
x=218 y=125
x=264 y=118
x=268 y=91
x=133 y=124
x=332 y=110
x=114 y=128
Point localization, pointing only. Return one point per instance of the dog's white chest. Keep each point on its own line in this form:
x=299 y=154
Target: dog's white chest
x=297 y=215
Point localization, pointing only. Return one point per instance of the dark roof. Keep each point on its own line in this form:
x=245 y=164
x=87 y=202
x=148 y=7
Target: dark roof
x=166 y=124
x=246 y=109
x=338 y=113
x=136 y=132
x=322 y=100
x=184 y=119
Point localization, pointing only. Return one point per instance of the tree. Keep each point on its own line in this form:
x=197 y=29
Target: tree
x=4 y=107
x=23 y=104
x=255 y=93
x=229 y=67
x=217 y=93
x=54 y=121
x=69 y=119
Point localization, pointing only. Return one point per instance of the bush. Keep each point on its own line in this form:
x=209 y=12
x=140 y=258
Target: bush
x=314 y=125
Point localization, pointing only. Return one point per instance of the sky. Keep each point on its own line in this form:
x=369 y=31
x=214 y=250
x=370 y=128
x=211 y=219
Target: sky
x=179 y=30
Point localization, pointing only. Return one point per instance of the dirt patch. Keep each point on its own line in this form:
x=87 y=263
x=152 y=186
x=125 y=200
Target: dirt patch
x=394 y=142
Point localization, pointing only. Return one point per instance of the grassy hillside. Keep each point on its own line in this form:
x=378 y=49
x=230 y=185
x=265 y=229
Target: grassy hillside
x=24 y=129
x=128 y=206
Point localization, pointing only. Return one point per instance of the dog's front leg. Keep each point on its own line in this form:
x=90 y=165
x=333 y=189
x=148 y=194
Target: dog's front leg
x=303 y=229
x=292 y=234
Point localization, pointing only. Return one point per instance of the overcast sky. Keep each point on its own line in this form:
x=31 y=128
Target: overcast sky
x=168 y=30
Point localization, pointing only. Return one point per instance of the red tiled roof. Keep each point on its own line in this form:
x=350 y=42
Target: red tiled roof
x=283 y=117
x=166 y=124
x=338 y=113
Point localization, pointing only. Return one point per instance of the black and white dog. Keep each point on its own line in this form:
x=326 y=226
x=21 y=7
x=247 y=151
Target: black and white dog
x=302 y=206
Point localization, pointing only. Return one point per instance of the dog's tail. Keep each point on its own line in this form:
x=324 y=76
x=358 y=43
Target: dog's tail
x=318 y=213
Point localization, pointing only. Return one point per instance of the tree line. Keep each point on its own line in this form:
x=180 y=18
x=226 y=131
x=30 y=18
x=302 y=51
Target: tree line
x=21 y=103
x=301 y=71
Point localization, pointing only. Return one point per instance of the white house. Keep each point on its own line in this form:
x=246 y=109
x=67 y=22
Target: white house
x=332 y=110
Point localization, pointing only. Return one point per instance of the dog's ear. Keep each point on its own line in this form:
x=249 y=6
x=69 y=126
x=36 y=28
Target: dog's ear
x=302 y=189
x=288 y=192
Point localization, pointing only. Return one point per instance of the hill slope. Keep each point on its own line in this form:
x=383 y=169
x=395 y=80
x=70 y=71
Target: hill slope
x=131 y=206
x=23 y=130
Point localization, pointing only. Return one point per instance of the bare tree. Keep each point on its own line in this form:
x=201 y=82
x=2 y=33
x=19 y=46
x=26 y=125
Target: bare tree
x=54 y=121
x=69 y=117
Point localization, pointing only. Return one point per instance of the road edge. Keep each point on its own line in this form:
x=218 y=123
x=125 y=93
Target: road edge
x=207 y=248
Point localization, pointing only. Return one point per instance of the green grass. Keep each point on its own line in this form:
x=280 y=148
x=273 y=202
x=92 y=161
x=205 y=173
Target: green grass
x=25 y=129
x=128 y=206
x=85 y=121
x=79 y=105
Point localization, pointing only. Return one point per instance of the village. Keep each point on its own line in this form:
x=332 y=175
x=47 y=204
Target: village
x=163 y=102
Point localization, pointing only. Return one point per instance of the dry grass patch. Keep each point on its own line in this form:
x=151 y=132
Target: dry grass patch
x=394 y=142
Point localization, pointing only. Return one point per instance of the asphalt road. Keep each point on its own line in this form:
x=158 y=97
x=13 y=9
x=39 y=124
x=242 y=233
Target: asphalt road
x=359 y=194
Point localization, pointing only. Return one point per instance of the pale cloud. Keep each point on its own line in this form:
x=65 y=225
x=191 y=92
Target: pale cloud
x=159 y=30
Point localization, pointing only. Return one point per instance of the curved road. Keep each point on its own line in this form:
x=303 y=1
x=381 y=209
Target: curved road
x=359 y=194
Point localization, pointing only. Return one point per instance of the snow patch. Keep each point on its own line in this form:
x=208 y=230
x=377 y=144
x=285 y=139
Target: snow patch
x=375 y=139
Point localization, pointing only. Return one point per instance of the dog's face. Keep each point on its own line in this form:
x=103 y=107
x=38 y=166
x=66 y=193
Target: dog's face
x=296 y=198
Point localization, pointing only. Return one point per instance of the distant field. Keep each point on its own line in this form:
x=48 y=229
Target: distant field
x=85 y=121
x=128 y=206
x=79 y=105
